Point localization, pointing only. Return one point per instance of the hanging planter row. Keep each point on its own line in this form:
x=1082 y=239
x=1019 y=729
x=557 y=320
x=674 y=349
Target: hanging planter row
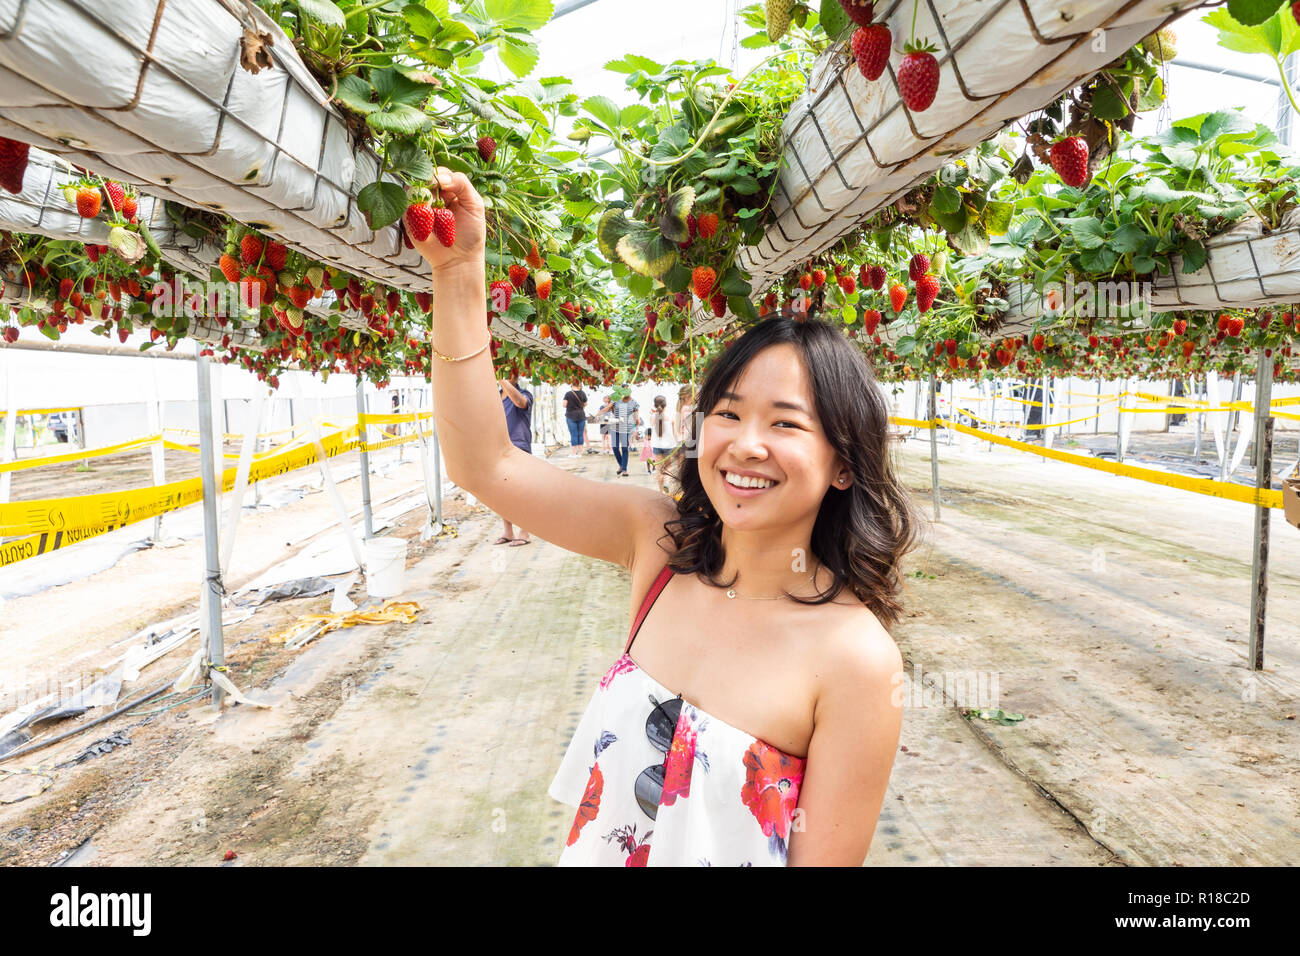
x=159 y=98
x=852 y=146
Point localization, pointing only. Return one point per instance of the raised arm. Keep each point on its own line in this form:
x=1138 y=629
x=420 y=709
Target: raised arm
x=598 y=519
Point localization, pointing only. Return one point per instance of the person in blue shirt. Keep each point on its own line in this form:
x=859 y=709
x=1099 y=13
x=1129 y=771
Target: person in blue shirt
x=627 y=419
x=517 y=402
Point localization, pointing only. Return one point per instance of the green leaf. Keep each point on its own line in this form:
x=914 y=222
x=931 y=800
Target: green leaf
x=742 y=307
x=453 y=31
x=529 y=14
x=1224 y=122
x=952 y=222
x=672 y=221
x=382 y=203
x=946 y=200
x=1238 y=37
x=1087 y=232
x=1194 y=255
x=322 y=11
x=406 y=158
x=1152 y=95
x=633 y=114
x=402 y=120
x=640 y=286
x=396 y=89
x=678 y=278
x=1128 y=238
x=1253 y=12
x=972 y=240
x=745 y=185
x=734 y=282
x=519 y=56
x=354 y=93
x=421 y=20
x=997 y=217
x=756 y=41
x=603 y=109
x=1100 y=260
x=651 y=255
x=558 y=263
x=633 y=64
x=833 y=18
x=1107 y=104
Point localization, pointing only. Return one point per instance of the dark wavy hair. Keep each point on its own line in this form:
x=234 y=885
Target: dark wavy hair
x=862 y=532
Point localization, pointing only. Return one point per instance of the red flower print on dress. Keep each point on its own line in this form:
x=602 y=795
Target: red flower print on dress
x=681 y=758
x=638 y=852
x=590 y=805
x=771 y=789
x=620 y=666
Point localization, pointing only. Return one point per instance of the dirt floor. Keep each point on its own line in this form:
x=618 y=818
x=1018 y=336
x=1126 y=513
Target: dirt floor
x=1110 y=613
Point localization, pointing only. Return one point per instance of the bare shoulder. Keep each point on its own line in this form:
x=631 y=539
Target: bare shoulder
x=653 y=544
x=856 y=654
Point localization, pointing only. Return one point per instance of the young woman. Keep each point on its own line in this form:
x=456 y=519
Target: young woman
x=758 y=722
x=663 y=439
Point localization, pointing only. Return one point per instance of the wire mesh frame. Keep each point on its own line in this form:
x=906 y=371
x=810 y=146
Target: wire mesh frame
x=865 y=130
x=295 y=81
x=509 y=331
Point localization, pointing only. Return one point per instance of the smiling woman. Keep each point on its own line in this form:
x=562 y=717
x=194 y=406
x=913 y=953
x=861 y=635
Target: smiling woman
x=757 y=725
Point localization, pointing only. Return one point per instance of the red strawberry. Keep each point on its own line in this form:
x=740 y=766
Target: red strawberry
x=871 y=49
x=1038 y=342
x=88 y=202
x=950 y=346
x=500 y=293
x=708 y=223
x=927 y=287
x=876 y=276
x=719 y=303
x=444 y=226
x=300 y=295
x=518 y=275
x=819 y=277
x=66 y=288
x=487 y=148
x=847 y=284
x=543 y=280
x=870 y=320
x=918 y=266
x=702 y=280
x=276 y=253
x=805 y=281
x=250 y=250
x=1180 y=325
x=1069 y=158
x=122 y=333
x=1295 y=11
x=859 y=11
x=11 y=334
x=392 y=301
x=769 y=302
x=419 y=221
x=129 y=208
x=116 y=194
x=229 y=267
x=1235 y=326
x=918 y=79
x=1093 y=342
x=13 y=164
x=897 y=297
x=424 y=300
x=534 y=257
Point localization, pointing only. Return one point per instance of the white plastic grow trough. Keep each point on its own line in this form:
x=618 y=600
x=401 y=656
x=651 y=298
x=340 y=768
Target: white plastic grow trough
x=152 y=93
x=1245 y=267
x=851 y=147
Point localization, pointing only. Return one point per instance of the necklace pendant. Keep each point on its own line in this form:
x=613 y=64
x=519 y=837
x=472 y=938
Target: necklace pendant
x=731 y=593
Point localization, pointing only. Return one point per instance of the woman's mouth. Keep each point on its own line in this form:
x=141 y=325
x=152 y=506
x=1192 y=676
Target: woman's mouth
x=746 y=487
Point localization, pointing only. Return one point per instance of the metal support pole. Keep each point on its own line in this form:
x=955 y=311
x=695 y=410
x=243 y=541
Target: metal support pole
x=157 y=451
x=1046 y=413
x=916 y=405
x=995 y=386
x=1263 y=481
x=210 y=597
x=1196 y=451
x=952 y=396
x=9 y=450
x=1119 y=422
x=1096 y=422
x=364 y=433
x=934 y=447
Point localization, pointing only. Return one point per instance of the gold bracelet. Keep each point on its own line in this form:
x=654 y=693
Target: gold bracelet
x=448 y=358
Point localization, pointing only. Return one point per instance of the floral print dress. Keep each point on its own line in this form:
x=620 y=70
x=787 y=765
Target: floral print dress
x=729 y=799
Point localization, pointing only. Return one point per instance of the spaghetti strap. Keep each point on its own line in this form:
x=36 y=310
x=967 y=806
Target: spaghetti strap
x=655 y=588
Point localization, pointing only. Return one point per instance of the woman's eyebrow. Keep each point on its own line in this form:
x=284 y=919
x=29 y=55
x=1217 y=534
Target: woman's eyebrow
x=794 y=406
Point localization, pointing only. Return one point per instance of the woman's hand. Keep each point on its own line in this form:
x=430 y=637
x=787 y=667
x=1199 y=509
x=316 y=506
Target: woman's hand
x=460 y=196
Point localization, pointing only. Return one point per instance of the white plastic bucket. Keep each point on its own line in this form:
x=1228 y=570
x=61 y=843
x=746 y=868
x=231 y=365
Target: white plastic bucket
x=385 y=566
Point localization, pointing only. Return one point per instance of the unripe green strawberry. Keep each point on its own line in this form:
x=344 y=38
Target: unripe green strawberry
x=1162 y=45
x=778 y=18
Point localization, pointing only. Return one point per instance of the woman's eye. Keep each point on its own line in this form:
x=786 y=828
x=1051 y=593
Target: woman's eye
x=733 y=415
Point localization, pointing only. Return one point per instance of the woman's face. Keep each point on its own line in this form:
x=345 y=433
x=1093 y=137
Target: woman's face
x=754 y=430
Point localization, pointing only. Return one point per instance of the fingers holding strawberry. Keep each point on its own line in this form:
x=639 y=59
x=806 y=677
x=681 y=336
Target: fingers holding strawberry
x=446 y=223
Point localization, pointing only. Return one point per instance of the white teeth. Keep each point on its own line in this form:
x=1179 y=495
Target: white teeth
x=744 y=481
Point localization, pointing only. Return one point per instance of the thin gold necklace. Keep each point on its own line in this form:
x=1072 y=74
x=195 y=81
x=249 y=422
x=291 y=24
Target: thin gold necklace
x=731 y=593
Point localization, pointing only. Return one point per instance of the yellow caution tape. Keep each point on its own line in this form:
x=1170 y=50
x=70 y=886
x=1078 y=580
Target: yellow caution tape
x=46 y=525
x=45 y=460
x=1265 y=497
x=43 y=411
x=395 y=418
x=392 y=612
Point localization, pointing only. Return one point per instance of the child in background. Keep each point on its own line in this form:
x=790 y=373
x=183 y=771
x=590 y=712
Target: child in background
x=645 y=452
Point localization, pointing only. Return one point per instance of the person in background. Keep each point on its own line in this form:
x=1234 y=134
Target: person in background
x=604 y=417
x=575 y=415
x=627 y=421
x=517 y=403
x=663 y=440
x=645 y=451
